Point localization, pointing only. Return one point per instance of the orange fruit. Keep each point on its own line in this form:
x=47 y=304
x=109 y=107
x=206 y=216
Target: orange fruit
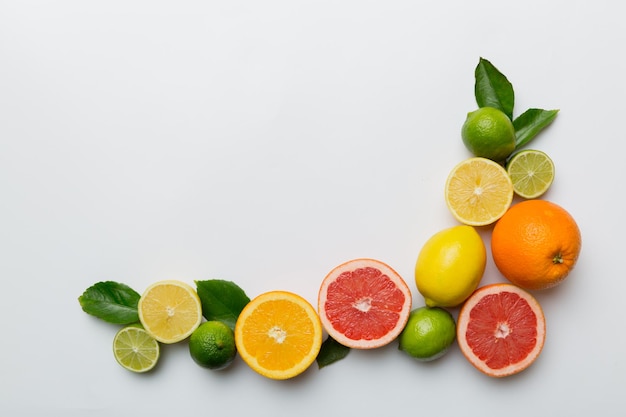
x=501 y=329
x=364 y=304
x=536 y=244
x=278 y=334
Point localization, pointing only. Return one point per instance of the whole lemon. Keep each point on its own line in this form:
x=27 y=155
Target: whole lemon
x=489 y=133
x=450 y=266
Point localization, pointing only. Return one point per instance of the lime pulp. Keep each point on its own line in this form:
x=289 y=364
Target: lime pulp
x=532 y=173
x=135 y=349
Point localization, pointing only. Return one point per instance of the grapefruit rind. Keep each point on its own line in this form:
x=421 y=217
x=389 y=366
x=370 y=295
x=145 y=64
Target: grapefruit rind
x=402 y=314
x=464 y=320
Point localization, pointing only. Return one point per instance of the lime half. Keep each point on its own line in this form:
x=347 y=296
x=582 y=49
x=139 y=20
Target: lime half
x=531 y=172
x=135 y=349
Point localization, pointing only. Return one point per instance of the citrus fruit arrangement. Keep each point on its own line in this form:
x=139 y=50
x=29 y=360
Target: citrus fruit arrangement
x=364 y=303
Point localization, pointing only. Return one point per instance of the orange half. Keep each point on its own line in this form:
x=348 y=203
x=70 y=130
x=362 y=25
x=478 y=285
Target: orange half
x=278 y=334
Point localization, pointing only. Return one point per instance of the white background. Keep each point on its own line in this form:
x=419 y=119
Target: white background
x=265 y=142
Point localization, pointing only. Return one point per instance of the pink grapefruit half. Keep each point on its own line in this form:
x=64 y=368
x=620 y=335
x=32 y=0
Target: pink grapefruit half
x=501 y=329
x=364 y=303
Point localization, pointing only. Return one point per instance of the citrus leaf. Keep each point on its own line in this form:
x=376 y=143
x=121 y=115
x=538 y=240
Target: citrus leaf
x=221 y=300
x=492 y=88
x=111 y=301
x=530 y=123
x=331 y=352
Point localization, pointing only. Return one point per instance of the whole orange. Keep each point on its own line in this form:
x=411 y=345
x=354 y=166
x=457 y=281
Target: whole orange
x=536 y=244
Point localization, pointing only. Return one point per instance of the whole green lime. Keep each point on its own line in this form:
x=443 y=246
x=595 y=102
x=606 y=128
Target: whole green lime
x=428 y=334
x=489 y=133
x=212 y=345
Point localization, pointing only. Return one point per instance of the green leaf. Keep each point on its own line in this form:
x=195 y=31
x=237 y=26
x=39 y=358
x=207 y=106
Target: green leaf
x=530 y=123
x=493 y=89
x=331 y=352
x=111 y=301
x=221 y=300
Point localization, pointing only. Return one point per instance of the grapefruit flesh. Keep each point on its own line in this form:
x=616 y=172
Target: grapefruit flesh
x=501 y=329
x=364 y=304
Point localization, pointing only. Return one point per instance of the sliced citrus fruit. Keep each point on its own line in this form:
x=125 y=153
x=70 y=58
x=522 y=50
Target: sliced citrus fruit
x=135 y=349
x=531 y=172
x=478 y=191
x=501 y=329
x=278 y=334
x=170 y=310
x=364 y=303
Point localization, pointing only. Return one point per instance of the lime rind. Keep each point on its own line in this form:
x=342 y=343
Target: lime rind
x=489 y=133
x=429 y=333
x=135 y=350
x=212 y=345
x=531 y=172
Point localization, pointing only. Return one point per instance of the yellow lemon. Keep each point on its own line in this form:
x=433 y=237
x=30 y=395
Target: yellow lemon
x=170 y=310
x=450 y=266
x=478 y=191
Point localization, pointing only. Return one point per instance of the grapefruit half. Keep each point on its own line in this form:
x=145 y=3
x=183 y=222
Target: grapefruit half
x=364 y=303
x=501 y=329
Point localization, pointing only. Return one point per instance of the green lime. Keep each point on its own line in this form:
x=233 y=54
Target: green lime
x=428 y=334
x=531 y=172
x=212 y=345
x=489 y=133
x=135 y=349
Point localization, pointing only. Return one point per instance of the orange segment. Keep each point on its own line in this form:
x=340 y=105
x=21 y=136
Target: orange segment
x=170 y=310
x=478 y=191
x=278 y=334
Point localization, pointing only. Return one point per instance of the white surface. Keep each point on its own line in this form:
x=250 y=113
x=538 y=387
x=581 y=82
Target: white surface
x=266 y=142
